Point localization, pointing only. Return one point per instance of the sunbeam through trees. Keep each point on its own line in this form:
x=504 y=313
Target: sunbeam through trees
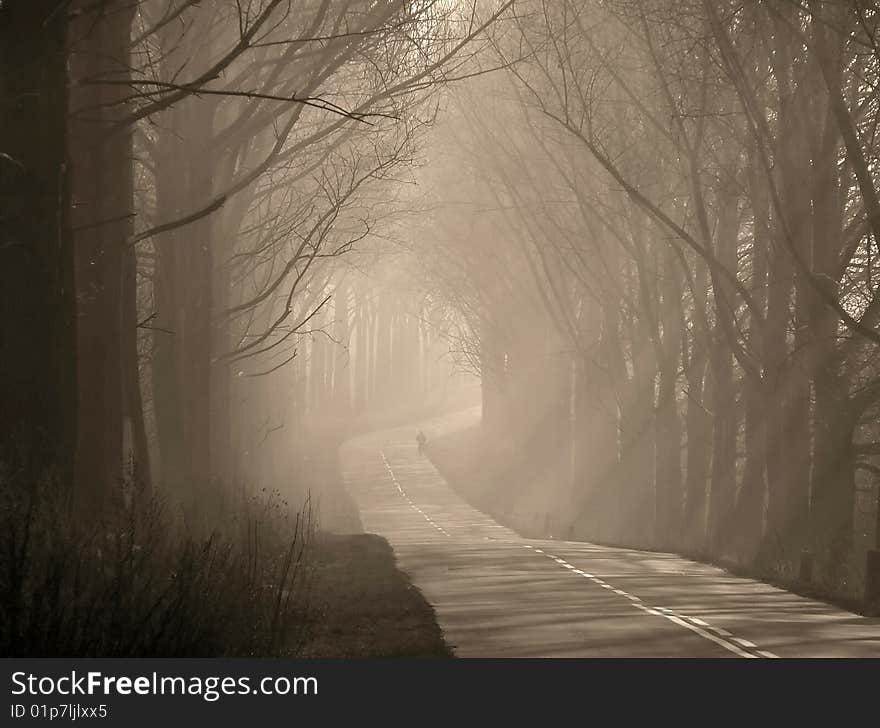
x=471 y=275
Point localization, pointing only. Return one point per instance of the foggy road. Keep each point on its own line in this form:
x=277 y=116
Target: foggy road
x=497 y=594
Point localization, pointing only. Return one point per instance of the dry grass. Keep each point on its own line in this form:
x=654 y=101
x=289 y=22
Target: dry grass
x=131 y=584
x=365 y=606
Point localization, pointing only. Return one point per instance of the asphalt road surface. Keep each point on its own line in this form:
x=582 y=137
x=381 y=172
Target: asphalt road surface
x=497 y=594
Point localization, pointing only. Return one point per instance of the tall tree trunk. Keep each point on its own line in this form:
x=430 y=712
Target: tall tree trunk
x=595 y=428
x=318 y=365
x=183 y=339
x=750 y=503
x=833 y=477
x=492 y=381
x=668 y=491
x=361 y=352
x=167 y=291
x=382 y=390
x=342 y=370
x=102 y=183
x=195 y=345
x=38 y=346
x=786 y=373
x=776 y=372
x=722 y=491
x=133 y=405
x=698 y=423
x=636 y=474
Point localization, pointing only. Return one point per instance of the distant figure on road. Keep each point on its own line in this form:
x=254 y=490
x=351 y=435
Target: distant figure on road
x=421 y=439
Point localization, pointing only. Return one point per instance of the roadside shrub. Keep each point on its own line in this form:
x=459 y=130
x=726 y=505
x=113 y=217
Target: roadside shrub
x=132 y=583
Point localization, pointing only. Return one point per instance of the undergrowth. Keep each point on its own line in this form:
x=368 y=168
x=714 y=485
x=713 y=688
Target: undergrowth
x=131 y=582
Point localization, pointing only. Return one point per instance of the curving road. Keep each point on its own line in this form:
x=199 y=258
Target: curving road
x=497 y=594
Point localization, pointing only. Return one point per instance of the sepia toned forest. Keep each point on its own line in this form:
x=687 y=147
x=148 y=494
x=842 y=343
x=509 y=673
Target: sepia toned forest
x=664 y=254
x=233 y=233
x=198 y=203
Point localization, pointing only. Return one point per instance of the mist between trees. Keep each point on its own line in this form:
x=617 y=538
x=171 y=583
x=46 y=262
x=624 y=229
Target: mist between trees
x=200 y=204
x=659 y=227
x=231 y=233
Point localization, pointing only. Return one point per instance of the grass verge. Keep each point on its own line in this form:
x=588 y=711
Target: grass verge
x=364 y=606
x=361 y=604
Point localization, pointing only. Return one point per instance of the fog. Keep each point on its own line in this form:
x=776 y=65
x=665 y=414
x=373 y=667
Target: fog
x=639 y=235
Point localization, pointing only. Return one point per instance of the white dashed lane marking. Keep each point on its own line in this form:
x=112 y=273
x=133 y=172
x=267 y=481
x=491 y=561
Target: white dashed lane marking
x=718 y=635
x=408 y=499
x=740 y=647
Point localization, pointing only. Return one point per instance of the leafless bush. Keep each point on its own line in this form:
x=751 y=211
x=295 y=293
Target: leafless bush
x=132 y=584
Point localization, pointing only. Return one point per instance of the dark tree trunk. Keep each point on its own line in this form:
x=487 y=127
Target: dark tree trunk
x=182 y=372
x=786 y=373
x=722 y=492
x=38 y=400
x=318 y=364
x=750 y=503
x=668 y=491
x=168 y=287
x=102 y=183
x=223 y=453
x=636 y=475
x=595 y=427
x=698 y=423
x=776 y=371
x=342 y=370
x=833 y=477
x=132 y=398
x=196 y=343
